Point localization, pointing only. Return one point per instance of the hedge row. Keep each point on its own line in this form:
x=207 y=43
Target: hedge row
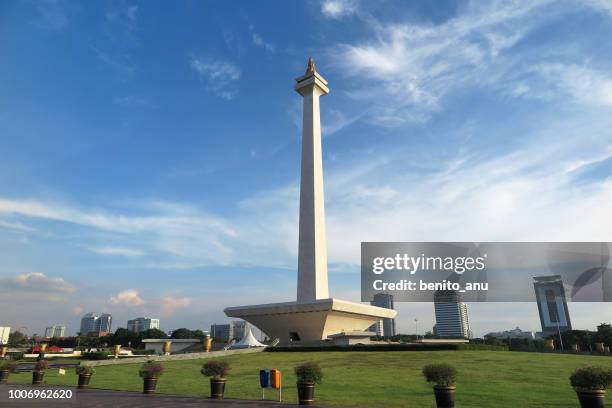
x=390 y=347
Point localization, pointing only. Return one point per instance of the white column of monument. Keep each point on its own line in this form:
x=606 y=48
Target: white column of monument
x=312 y=250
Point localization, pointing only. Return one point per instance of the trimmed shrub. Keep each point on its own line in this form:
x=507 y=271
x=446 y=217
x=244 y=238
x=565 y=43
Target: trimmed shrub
x=591 y=378
x=309 y=372
x=95 y=355
x=8 y=365
x=443 y=375
x=41 y=365
x=216 y=369
x=151 y=369
x=85 y=370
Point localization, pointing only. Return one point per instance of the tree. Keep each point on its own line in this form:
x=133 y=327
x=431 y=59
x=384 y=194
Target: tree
x=16 y=338
x=182 y=333
x=153 y=334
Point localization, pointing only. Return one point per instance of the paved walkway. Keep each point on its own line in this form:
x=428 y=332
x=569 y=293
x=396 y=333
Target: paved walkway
x=94 y=398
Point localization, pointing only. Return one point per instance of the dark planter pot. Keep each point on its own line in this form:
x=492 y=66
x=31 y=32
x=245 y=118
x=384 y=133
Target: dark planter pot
x=37 y=377
x=4 y=374
x=84 y=381
x=305 y=392
x=217 y=388
x=149 y=385
x=591 y=399
x=445 y=396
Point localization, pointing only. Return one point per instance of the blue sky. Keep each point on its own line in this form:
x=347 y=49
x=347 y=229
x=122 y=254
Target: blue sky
x=150 y=153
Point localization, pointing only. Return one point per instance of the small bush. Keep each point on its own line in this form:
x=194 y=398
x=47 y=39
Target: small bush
x=443 y=375
x=143 y=351
x=309 y=372
x=41 y=365
x=85 y=370
x=215 y=368
x=151 y=369
x=8 y=365
x=95 y=355
x=591 y=378
x=17 y=356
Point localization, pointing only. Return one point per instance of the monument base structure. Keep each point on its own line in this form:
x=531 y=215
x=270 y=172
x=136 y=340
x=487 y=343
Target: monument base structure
x=312 y=321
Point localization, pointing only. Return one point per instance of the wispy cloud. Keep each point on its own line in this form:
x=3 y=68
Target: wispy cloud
x=412 y=67
x=52 y=14
x=337 y=9
x=129 y=252
x=260 y=42
x=36 y=282
x=125 y=15
x=220 y=76
x=117 y=61
x=171 y=304
x=131 y=101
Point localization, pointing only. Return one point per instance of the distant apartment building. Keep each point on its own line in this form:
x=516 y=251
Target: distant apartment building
x=141 y=324
x=55 y=331
x=4 y=334
x=552 y=304
x=240 y=329
x=512 y=334
x=384 y=327
x=222 y=332
x=451 y=315
x=98 y=324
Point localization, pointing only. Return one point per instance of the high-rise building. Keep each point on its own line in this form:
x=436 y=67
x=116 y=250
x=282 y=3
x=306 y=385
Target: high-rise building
x=451 y=315
x=552 y=304
x=141 y=324
x=240 y=329
x=384 y=327
x=222 y=332
x=55 y=331
x=99 y=324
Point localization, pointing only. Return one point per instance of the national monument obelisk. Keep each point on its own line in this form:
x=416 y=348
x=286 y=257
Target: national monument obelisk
x=315 y=315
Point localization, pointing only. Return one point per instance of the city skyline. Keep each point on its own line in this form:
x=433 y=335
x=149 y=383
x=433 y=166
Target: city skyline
x=168 y=186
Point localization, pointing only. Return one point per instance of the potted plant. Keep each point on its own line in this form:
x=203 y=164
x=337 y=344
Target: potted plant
x=444 y=377
x=216 y=370
x=85 y=373
x=6 y=367
x=308 y=374
x=590 y=384
x=38 y=374
x=150 y=372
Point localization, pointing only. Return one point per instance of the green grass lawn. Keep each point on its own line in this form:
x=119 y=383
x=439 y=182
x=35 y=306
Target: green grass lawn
x=373 y=379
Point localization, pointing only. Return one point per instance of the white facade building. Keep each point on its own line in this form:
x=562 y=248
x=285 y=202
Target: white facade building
x=100 y=324
x=512 y=334
x=4 y=334
x=240 y=329
x=451 y=315
x=55 y=331
x=141 y=324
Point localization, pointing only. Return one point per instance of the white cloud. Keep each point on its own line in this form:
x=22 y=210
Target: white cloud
x=409 y=68
x=36 y=282
x=129 y=252
x=77 y=310
x=337 y=9
x=220 y=76
x=128 y=297
x=170 y=304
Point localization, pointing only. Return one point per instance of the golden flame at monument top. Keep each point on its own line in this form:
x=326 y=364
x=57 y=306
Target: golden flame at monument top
x=311 y=68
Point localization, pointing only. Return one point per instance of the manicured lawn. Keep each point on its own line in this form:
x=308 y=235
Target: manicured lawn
x=373 y=379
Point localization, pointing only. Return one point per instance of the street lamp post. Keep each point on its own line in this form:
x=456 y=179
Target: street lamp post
x=416 y=327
